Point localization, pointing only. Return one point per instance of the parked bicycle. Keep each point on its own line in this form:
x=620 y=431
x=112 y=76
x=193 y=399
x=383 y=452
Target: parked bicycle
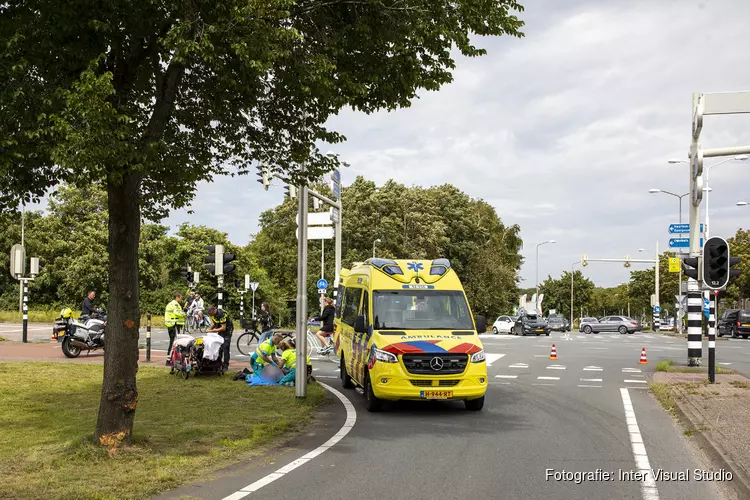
x=248 y=341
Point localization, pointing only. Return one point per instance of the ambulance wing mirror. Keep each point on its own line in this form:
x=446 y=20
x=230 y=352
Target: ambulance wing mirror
x=359 y=325
x=481 y=323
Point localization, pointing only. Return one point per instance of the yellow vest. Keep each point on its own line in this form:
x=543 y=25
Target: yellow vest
x=173 y=314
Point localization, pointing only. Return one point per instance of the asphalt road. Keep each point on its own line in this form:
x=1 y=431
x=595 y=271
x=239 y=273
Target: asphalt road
x=564 y=415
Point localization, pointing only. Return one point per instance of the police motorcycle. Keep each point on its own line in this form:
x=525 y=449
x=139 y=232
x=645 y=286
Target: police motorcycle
x=84 y=334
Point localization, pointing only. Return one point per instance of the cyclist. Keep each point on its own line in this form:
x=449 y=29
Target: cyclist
x=326 y=328
x=196 y=310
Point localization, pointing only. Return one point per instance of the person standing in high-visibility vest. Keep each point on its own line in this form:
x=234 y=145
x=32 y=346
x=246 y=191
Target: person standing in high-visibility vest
x=174 y=320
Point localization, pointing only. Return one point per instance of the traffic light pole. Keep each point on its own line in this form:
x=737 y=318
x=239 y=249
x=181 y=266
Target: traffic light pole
x=242 y=307
x=25 y=308
x=300 y=382
x=712 y=339
x=220 y=292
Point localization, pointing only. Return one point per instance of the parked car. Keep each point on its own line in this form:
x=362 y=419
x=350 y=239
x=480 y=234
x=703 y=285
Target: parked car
x=621 y=324
x=530 y=324
x=558 y=323
x=503 y=324
x=734 y=323
x=667 y=324
x=587 y=321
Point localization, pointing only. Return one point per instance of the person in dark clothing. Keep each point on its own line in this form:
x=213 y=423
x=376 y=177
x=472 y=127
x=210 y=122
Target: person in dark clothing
x=326 y=328
x=266 y=322
x=88 y=304
x=222 y=324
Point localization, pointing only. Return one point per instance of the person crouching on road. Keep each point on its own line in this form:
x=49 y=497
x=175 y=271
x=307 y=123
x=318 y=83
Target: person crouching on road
x=326 y=327
x=265 y=353
x=288 y=363
x=222 y=324
x=174 y=319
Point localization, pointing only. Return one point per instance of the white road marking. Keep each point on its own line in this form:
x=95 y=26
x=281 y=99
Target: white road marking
x=584 y=385
x=491 y=358
x=725 y=364
x=351 y=418
x=635 y=381
x=518 y=365
x=325 y=376
x=503 y=383
x=548 y=378
x=631 y=370
x=555 y=367
x=540 y=355
x=591 y=380
x=592 y=369
x=506 y=376
x=600 y=348
x=648 y=485
x=551 y=385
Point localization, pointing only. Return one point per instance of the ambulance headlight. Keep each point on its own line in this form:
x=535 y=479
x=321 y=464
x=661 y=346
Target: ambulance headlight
x=478 y=357
x=385 y=356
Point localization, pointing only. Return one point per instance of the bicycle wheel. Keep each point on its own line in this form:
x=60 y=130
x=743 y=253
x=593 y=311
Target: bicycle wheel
x=247 y=342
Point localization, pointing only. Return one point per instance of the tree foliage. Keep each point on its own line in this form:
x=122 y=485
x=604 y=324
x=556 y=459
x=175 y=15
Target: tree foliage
x=411 y=222
x=557 y=293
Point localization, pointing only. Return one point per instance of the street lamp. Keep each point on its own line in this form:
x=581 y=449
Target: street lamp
x=373 y=246
x=536 y=306
x=741 y=203
x=680 y=197
x=571 y=292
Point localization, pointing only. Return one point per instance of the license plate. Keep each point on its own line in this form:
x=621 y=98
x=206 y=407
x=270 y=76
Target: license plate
x=540 y=330
x=436 y=394
x=746 y=324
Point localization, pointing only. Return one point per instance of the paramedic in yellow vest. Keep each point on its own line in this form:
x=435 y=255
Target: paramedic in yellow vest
x=265 y=353
x=288 y=363
x=174 y=319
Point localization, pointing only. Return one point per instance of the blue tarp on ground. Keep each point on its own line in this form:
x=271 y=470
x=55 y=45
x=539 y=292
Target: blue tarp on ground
x=269 y=376
x=254 y=379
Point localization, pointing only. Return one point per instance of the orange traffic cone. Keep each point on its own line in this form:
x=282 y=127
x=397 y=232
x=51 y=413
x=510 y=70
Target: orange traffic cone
x=553 y=354
x=643 y=360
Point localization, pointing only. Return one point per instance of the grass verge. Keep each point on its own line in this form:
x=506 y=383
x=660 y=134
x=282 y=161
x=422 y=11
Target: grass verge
x=3 y=339
x=184 y=430
x=50 y=316
x=663 y=394
x=667 y=365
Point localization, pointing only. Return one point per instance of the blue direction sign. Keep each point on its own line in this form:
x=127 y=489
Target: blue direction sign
x=336 y=176
x=322 y=284
x=657 y=309
x=706 y=307
x=681 y=242
x=681 y=228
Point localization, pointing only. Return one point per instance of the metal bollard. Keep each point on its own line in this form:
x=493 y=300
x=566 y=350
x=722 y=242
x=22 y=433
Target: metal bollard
x=148 y=337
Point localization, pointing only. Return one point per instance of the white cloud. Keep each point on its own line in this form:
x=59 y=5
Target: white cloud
x=563 y=131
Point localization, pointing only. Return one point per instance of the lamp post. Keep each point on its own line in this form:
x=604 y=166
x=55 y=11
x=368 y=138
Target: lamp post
x=373 y=246
x=536 y=306
x=571 y=292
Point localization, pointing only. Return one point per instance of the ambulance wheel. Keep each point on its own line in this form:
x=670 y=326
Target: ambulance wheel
x=346 y=380
x=372 y=403
x=474 y=404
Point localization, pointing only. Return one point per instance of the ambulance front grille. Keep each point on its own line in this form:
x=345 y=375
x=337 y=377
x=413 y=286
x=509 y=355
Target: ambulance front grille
x=435 y=363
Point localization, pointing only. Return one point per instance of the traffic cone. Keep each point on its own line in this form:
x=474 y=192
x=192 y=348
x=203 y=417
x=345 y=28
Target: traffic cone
x=643 y=360
x=553 y=354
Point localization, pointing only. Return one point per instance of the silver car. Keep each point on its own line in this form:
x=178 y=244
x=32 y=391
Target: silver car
x=621 y=324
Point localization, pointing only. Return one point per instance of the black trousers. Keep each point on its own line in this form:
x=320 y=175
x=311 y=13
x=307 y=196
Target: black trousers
x=225 y=350
x=173 y=331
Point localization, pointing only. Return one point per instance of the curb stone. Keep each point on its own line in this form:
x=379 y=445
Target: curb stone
x=740 y=482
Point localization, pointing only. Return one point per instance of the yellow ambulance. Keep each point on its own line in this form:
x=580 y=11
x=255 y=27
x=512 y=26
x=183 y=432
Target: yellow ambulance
x=404 y=331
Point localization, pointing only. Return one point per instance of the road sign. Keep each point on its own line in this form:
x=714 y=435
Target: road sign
x=322 y=291
x=657 y=309
x=318 y=233
x=336 y=188
x=674 y=264
x=322 y=283
x=681 y=243
x=336 y=176
x=706 y=307
x=317 y=219
x=681 y=228
x=334 y=214
x=254 y=285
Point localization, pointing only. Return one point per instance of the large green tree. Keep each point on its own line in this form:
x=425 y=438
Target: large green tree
x=149 y=97
x=410 y=222
x=557 y=293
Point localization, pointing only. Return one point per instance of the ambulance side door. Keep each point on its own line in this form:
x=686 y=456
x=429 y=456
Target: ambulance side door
x=349 y=310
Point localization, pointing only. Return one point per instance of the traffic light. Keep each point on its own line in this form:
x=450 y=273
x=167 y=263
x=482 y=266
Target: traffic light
x=264 y=176
x=734 y=273
x=37 y=264
x=228 y=267
x=186 y=274
x=215 y=259
x=690 y=267
x=584 y=260
x=696 y=168
x=315 y=203
x=716 y=263
x=291 y=191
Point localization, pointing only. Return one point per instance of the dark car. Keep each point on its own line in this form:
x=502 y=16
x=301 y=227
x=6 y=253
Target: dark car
x=531 y=324
x=558 y=323
x=734 y=323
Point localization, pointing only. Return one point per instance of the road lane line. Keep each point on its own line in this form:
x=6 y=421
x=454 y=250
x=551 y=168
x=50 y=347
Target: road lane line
x=548 y=378
x=648 y=484
x=636 y=381
x=519 y=365
x=491 y=358
x=584 y=385
x=591 y=380
x=555 y=367
x=506 y=376
x=551 y=385
x=631 y=370
x=351 y=418
x=592 y=369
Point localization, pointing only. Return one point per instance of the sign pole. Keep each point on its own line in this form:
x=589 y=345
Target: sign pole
x=712 y=339
x=25 y=308
x=300 y=383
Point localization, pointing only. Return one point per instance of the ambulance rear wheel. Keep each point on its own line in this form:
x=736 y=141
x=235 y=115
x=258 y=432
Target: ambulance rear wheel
x=372 y=403
x=346 y=380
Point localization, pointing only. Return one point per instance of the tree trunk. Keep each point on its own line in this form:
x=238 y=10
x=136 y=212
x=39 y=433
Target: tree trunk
x=119 y=394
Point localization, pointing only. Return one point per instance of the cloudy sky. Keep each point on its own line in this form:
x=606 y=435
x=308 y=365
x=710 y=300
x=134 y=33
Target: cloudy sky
x=563 y=131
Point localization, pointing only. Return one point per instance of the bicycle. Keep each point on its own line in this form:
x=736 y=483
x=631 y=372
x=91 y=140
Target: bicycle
x=192 y=326
x=250 y=338
x=314 y=343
